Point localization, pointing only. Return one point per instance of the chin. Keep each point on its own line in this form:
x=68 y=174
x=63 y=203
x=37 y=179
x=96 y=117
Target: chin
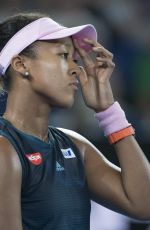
x=68 y=102
x=63 y=104
x=66 y=105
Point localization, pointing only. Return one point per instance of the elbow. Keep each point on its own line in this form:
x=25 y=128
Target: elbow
x=140 y=209
x=142 y=214
x=143 y=218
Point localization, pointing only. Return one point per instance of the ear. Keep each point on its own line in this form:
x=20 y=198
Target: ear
x=19 y=64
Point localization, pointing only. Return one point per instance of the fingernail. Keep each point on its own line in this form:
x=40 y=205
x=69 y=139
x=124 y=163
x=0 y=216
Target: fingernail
x=80 y=67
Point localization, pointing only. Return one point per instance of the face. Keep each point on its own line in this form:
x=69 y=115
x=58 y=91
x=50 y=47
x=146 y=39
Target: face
x=54 y=72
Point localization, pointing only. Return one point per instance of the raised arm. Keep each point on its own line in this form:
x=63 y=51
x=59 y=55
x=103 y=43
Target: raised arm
x=10 y=187
x=127 y=189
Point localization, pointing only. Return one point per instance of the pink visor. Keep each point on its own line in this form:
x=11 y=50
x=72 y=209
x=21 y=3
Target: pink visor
x=43 y=29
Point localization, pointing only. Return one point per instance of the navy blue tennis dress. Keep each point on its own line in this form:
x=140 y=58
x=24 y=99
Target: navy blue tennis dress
x=54 y=188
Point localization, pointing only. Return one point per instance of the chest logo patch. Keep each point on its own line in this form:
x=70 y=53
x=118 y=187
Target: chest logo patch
x=35 y=158
x=68 y=153
x=59 y=167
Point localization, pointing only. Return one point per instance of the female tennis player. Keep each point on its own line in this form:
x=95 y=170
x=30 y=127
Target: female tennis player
x=49 y=175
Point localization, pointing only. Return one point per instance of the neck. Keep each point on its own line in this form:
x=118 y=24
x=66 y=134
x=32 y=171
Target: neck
x=30 y=116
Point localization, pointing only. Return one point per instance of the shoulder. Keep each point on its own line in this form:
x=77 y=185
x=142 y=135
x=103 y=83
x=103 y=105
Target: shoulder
x=73 y=135
x=8 y=155
x=80 y=141
x=89 y=151
x=91 y=155
x=10 y=186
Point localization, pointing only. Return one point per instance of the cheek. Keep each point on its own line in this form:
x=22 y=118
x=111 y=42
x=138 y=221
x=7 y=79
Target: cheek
x=44 y=69
x=64 y=67
x=50 y=70
x=50 y=77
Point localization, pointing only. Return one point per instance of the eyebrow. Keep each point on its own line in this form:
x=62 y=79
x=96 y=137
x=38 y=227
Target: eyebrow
x=68 y=45
x=61 y=42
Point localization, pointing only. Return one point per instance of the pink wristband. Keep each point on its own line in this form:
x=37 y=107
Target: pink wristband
x=112 y=119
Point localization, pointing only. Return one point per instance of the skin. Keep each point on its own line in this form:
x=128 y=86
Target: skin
x=125 y=190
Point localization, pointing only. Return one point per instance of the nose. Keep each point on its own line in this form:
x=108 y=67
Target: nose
x=75 y=71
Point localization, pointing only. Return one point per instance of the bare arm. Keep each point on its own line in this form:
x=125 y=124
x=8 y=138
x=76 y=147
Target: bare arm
x=135 y=175
x=10 y=187
x=124 y=190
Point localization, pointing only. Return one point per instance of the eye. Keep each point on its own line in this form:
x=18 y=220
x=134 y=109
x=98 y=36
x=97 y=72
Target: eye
x=64 y=55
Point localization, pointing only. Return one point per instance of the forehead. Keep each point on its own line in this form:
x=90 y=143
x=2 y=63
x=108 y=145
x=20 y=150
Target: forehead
x=48 y=47
x=63 y=42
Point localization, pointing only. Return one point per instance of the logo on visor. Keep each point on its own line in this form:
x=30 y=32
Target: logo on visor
x=35 y=158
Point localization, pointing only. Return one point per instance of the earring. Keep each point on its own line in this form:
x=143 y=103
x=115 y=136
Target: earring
x=26 y=74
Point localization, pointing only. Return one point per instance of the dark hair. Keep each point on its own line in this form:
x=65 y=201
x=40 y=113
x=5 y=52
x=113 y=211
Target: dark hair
x=8 y=28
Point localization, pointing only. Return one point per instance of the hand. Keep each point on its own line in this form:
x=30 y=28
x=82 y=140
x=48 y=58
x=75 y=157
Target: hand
x=95 y=76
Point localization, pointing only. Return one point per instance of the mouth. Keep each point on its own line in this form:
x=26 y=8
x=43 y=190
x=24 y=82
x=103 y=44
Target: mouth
x=74 y=84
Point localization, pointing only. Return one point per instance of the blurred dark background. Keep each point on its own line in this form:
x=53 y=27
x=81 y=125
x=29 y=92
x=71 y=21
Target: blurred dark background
x=124 y=28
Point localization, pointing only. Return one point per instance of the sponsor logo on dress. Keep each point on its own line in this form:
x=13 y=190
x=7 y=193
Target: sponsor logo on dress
x=59 y=167
x=68 y=153
x=35 y=158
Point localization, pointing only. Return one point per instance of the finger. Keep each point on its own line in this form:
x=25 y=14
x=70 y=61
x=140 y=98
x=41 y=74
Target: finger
x=91 y=42
x=81 y=51
x=108 y=64
x=98 y=47
x=83 y=77
x=103 y=59
x=104 y=62
x=101 y=51
x=87 y=60
x=105 y=65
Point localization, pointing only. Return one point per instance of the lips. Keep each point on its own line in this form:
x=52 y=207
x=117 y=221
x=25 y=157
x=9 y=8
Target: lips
x=74 y=84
